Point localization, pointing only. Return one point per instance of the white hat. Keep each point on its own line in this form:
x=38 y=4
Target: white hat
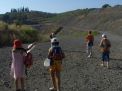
x=103 y=35
x=54 y=40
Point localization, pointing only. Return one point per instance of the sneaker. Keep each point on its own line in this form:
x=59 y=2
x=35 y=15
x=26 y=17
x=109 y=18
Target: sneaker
x=89 y=56
x=52 y=89
x=101 y=65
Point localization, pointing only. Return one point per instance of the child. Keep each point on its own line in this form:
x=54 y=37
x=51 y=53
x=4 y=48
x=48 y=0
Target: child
x=17 y=66
x=56 y=55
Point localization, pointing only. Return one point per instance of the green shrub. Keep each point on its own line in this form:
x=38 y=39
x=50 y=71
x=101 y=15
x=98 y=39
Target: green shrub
x=106 y=6
x=13 y=27
x=29 y=35
x=26 y=33
x=3 y=26
x=5 y=39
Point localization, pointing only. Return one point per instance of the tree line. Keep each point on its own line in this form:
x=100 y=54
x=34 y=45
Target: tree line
x=23 y=9
x=25 y=16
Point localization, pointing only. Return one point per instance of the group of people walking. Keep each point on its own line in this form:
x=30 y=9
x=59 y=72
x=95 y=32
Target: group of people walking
x=56 y=55
x=104 y=45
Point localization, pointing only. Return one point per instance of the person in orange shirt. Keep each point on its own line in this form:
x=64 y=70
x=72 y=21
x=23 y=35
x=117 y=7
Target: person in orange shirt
x=89 y=43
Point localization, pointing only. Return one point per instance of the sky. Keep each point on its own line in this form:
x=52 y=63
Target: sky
x=54 y=6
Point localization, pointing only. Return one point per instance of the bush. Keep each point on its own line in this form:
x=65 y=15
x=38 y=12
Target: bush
x=106 y=6
x=3 y=26
x=26 y=33
x=5 y=38
x=12 y=27
x=29 y=35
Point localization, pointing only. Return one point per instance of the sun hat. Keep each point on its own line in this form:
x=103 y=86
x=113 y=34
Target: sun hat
x=17 y=44
x=54 y=40
x=103 y=35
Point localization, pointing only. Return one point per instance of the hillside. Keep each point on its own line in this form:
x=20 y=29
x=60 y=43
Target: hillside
x=98 y=19
x=108 y=19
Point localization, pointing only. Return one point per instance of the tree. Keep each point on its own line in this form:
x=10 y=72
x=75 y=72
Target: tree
x=5 y=18
x=106 y=6
x=26 y=9
x=13 y=10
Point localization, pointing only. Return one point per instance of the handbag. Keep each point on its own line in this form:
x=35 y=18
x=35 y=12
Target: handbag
x=47 y=62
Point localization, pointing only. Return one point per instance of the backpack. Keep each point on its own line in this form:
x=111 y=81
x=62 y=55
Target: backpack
x=28 y=60
x=105 y=44
x=56 y=53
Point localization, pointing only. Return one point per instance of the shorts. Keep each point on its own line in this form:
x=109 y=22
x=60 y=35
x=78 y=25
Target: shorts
x=89 y=45
x=56 y=66
x=105 y=56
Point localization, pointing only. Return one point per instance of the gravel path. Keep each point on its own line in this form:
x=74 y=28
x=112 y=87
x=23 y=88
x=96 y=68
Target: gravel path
x=79 y=73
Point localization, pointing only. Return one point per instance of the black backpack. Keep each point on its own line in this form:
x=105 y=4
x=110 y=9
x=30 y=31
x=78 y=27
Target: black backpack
x=56 y=53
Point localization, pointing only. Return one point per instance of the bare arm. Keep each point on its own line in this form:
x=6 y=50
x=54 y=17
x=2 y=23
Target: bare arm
x=30 y=46
x=101 y=43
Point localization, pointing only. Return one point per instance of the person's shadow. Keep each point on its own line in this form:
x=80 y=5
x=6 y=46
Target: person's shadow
x=115 y=68
x=115 y=59
x=118 y=67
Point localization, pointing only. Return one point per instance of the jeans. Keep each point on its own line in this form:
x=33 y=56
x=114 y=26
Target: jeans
x=105 y=56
